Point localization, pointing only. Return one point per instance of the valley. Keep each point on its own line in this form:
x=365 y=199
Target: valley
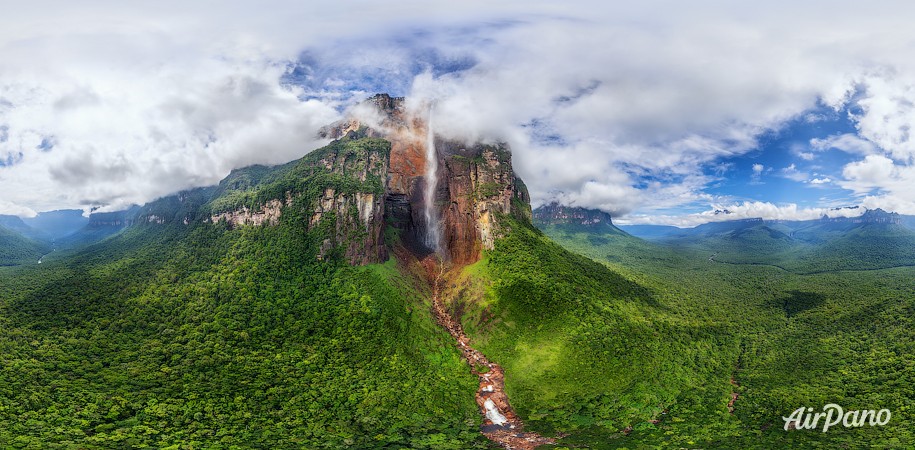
x=500 y=424
x=805 y=336
x=321 y=304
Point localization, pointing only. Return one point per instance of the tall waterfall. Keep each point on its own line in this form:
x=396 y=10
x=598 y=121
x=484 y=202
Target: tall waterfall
x=433 y=236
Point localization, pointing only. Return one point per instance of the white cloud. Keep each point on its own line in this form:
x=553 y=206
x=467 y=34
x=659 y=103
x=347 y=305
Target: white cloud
x=890 y=203
x=143 y=100
x=131 y=139
x=870 y=173
x=745 y=210
x=882 y=183
x=849 y=143
x=792 y=173
x=825 y=180
x=889 y=111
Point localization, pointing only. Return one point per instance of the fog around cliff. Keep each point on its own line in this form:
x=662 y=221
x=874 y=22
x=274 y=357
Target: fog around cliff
x=657 y=112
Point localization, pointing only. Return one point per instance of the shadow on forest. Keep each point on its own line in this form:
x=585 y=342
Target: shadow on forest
x=796 y=302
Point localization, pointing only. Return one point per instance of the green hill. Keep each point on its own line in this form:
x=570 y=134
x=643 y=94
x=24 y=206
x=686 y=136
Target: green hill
x=16 y=249
x=171 y=335
x=286 y=308
x=801 y=340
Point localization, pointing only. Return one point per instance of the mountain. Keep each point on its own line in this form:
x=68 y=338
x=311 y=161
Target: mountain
x=301 y=291
x=575 y=217
x=798 y=329
x=875 y=239
x=57 y=224
x=16 y=224
x=907 y=221
x=476 y=185
x=587 y=231
x=99 y=227
x=16 y=248
x=390 y=290
x=650 y=232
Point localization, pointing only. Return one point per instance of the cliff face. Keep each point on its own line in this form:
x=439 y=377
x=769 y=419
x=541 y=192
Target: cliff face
x=269 y=213
x=362 y=189
x=477 y=188
x=337 y=190
x=353 y=215
x=117 y=219
x=556 y=214
x=476 y=183
x=386 y=117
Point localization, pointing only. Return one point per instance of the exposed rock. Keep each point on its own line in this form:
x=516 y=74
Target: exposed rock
x=386 y=117
x=116 y=219
x=556 y=214
x=870 y=216
x=269 y=214
x=476 y=185
x=358 y=225
x=477 y=188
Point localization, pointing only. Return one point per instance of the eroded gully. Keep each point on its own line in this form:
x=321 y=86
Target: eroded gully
x=500 y=423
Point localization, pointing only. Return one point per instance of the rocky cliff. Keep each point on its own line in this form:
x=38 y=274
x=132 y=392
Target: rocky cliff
x=556 y=214
x=116 y=219
x=478 y=187
x=372 y=177
x=351 y=204
x=476 y=183
x=338 y=190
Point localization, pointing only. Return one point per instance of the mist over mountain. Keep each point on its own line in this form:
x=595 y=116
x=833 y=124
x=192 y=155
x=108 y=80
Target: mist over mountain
x=463 y=225
x=57 y=224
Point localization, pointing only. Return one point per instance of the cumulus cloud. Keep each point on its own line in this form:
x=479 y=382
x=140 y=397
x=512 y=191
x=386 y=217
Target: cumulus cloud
x=849 y=143
x=623 y=107
x=881 y=183
x=870 y=173
x=746 y=210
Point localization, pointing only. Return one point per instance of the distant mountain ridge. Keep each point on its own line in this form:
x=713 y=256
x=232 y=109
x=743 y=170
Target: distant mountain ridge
x=556 y=213
x=875 y=239
x=575 y=217
x=58 y=224
x=870 y=216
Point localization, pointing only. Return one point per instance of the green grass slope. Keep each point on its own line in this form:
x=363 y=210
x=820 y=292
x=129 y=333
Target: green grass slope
x=590 y=352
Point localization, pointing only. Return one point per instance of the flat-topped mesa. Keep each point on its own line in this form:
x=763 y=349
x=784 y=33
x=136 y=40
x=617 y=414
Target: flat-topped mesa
x=475 y=182
x=477 y=188
x=555 y=214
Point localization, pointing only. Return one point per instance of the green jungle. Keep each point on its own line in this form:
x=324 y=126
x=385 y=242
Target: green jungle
x=185 y=336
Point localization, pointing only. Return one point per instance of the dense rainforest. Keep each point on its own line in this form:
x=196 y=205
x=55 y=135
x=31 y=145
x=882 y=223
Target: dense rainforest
x=183 y=332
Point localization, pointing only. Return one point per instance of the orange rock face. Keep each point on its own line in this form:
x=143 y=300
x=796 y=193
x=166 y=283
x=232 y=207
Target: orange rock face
x=476 y=186
x=479 y=188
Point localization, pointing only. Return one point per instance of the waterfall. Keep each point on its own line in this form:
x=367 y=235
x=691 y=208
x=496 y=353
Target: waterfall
x=432 y=239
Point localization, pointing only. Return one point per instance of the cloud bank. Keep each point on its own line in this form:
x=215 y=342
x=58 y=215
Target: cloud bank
x=626 y=108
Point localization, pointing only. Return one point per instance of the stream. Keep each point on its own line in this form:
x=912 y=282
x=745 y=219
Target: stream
x=500 y=424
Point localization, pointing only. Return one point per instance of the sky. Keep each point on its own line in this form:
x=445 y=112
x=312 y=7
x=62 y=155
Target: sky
x=656 y=112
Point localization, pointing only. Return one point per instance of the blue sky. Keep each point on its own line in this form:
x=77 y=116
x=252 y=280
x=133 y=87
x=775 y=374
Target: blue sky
x=784 y=168
x=656 y=112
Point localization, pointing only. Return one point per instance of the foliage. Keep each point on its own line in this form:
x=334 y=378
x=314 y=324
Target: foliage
x=788 y=339
x=197 y=336
x=17 y=249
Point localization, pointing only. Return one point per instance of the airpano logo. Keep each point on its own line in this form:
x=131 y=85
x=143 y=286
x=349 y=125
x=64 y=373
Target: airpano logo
x=833 y=415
